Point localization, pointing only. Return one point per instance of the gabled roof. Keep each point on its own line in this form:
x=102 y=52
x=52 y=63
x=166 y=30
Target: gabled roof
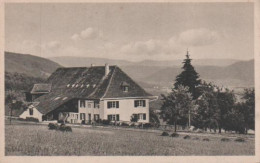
x=114 y=89
x=86 y=83
x=41 y=88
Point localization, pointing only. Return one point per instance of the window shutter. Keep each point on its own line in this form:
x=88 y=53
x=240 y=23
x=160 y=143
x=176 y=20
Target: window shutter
x=144 y=116
x=117 y=104
x=144 y=103
x=117 y=117
x=136 y=103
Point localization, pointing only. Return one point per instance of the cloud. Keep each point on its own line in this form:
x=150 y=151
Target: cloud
x=174 y=45
x=152 y=47
x=51 y=46
x=75 y=37
x=198 y=37
x=88 y=33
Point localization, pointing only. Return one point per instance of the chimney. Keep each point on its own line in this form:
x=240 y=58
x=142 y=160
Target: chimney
x=106 y=69
x=92 y=65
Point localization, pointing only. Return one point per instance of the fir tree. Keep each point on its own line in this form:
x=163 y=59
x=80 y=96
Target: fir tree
x=188 y=77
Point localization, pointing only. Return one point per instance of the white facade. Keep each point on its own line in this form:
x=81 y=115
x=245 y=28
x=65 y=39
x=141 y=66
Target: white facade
x=31 y=111
x=123 y=110
x=89 y=111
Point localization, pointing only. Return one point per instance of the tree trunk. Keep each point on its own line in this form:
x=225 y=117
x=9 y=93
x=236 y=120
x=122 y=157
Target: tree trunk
x=175 y=125
x=219 y=129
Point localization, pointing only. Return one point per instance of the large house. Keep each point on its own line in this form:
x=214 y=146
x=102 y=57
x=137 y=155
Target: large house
x=87 y=94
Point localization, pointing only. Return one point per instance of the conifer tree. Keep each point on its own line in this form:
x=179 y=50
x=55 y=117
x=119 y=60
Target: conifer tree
x=188 y=77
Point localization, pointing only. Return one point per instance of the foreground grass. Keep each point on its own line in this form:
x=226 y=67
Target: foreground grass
x=38 y=140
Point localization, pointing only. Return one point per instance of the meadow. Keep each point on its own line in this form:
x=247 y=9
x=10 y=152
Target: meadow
x=37 y=140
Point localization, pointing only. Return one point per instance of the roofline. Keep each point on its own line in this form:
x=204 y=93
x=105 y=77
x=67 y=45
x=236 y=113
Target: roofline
x=109 y=83
x=65 y=101
x=38 y=92
x=140 y=97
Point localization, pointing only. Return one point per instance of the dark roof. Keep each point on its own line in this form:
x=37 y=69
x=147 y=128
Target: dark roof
x=41 y=88
x=124 y=83
x=114 y=89
x=86 y=83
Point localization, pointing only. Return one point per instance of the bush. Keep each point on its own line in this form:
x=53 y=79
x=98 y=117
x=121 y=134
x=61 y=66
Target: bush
x=174 y=134
x=199 y=131
x=165 y=133
x=186 y=137
x=205 y=139
x=105 y=122
x=112 y=123
x=125 y=124
x=147 y=125
x=225 y=139
x=240 y=139
x=132 y=124
x=53 y=126
x=68 y=129
x=65 y=128
x=32 y=119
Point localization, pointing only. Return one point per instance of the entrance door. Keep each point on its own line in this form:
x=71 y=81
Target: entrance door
x=89 y=118
x=83 y=118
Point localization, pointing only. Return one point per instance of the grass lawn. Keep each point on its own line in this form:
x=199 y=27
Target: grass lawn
x=37 y=140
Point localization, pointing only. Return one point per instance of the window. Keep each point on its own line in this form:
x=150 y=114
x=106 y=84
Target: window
x=89 y=105
x=113 y=117
x=125 y=88
x=142 y=116
x=82 y=103
x=96 y=104
x=139 y=103
x=77 y=116
x=112 y=104
x=96 y=117
x=82 y=116
x=31 y=111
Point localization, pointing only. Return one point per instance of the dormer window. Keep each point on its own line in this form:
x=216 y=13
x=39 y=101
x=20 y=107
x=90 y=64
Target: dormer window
x=125 y=86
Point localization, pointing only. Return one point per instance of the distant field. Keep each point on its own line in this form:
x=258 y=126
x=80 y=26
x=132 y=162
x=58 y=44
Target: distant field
x=30 y=139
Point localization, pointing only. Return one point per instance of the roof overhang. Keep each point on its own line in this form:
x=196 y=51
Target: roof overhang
x=142 y=97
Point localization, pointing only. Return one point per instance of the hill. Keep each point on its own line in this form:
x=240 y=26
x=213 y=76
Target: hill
x=239 y=74
x=70 y=61
x=73 y=61
x=29 y=65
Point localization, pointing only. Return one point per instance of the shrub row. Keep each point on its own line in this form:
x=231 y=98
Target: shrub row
x=126 y=124
x=172 y=135
x=62 y=127
x=196 y=138
x=31 y=119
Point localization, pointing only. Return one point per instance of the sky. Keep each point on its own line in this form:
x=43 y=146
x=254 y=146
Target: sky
x=131 y=31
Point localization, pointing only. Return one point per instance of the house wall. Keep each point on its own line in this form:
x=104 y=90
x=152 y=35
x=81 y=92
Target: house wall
x=126 y=109
x=36 y=114
x=89 y=110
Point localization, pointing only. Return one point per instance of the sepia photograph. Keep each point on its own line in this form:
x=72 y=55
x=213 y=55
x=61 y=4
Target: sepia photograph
x=129 y=79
